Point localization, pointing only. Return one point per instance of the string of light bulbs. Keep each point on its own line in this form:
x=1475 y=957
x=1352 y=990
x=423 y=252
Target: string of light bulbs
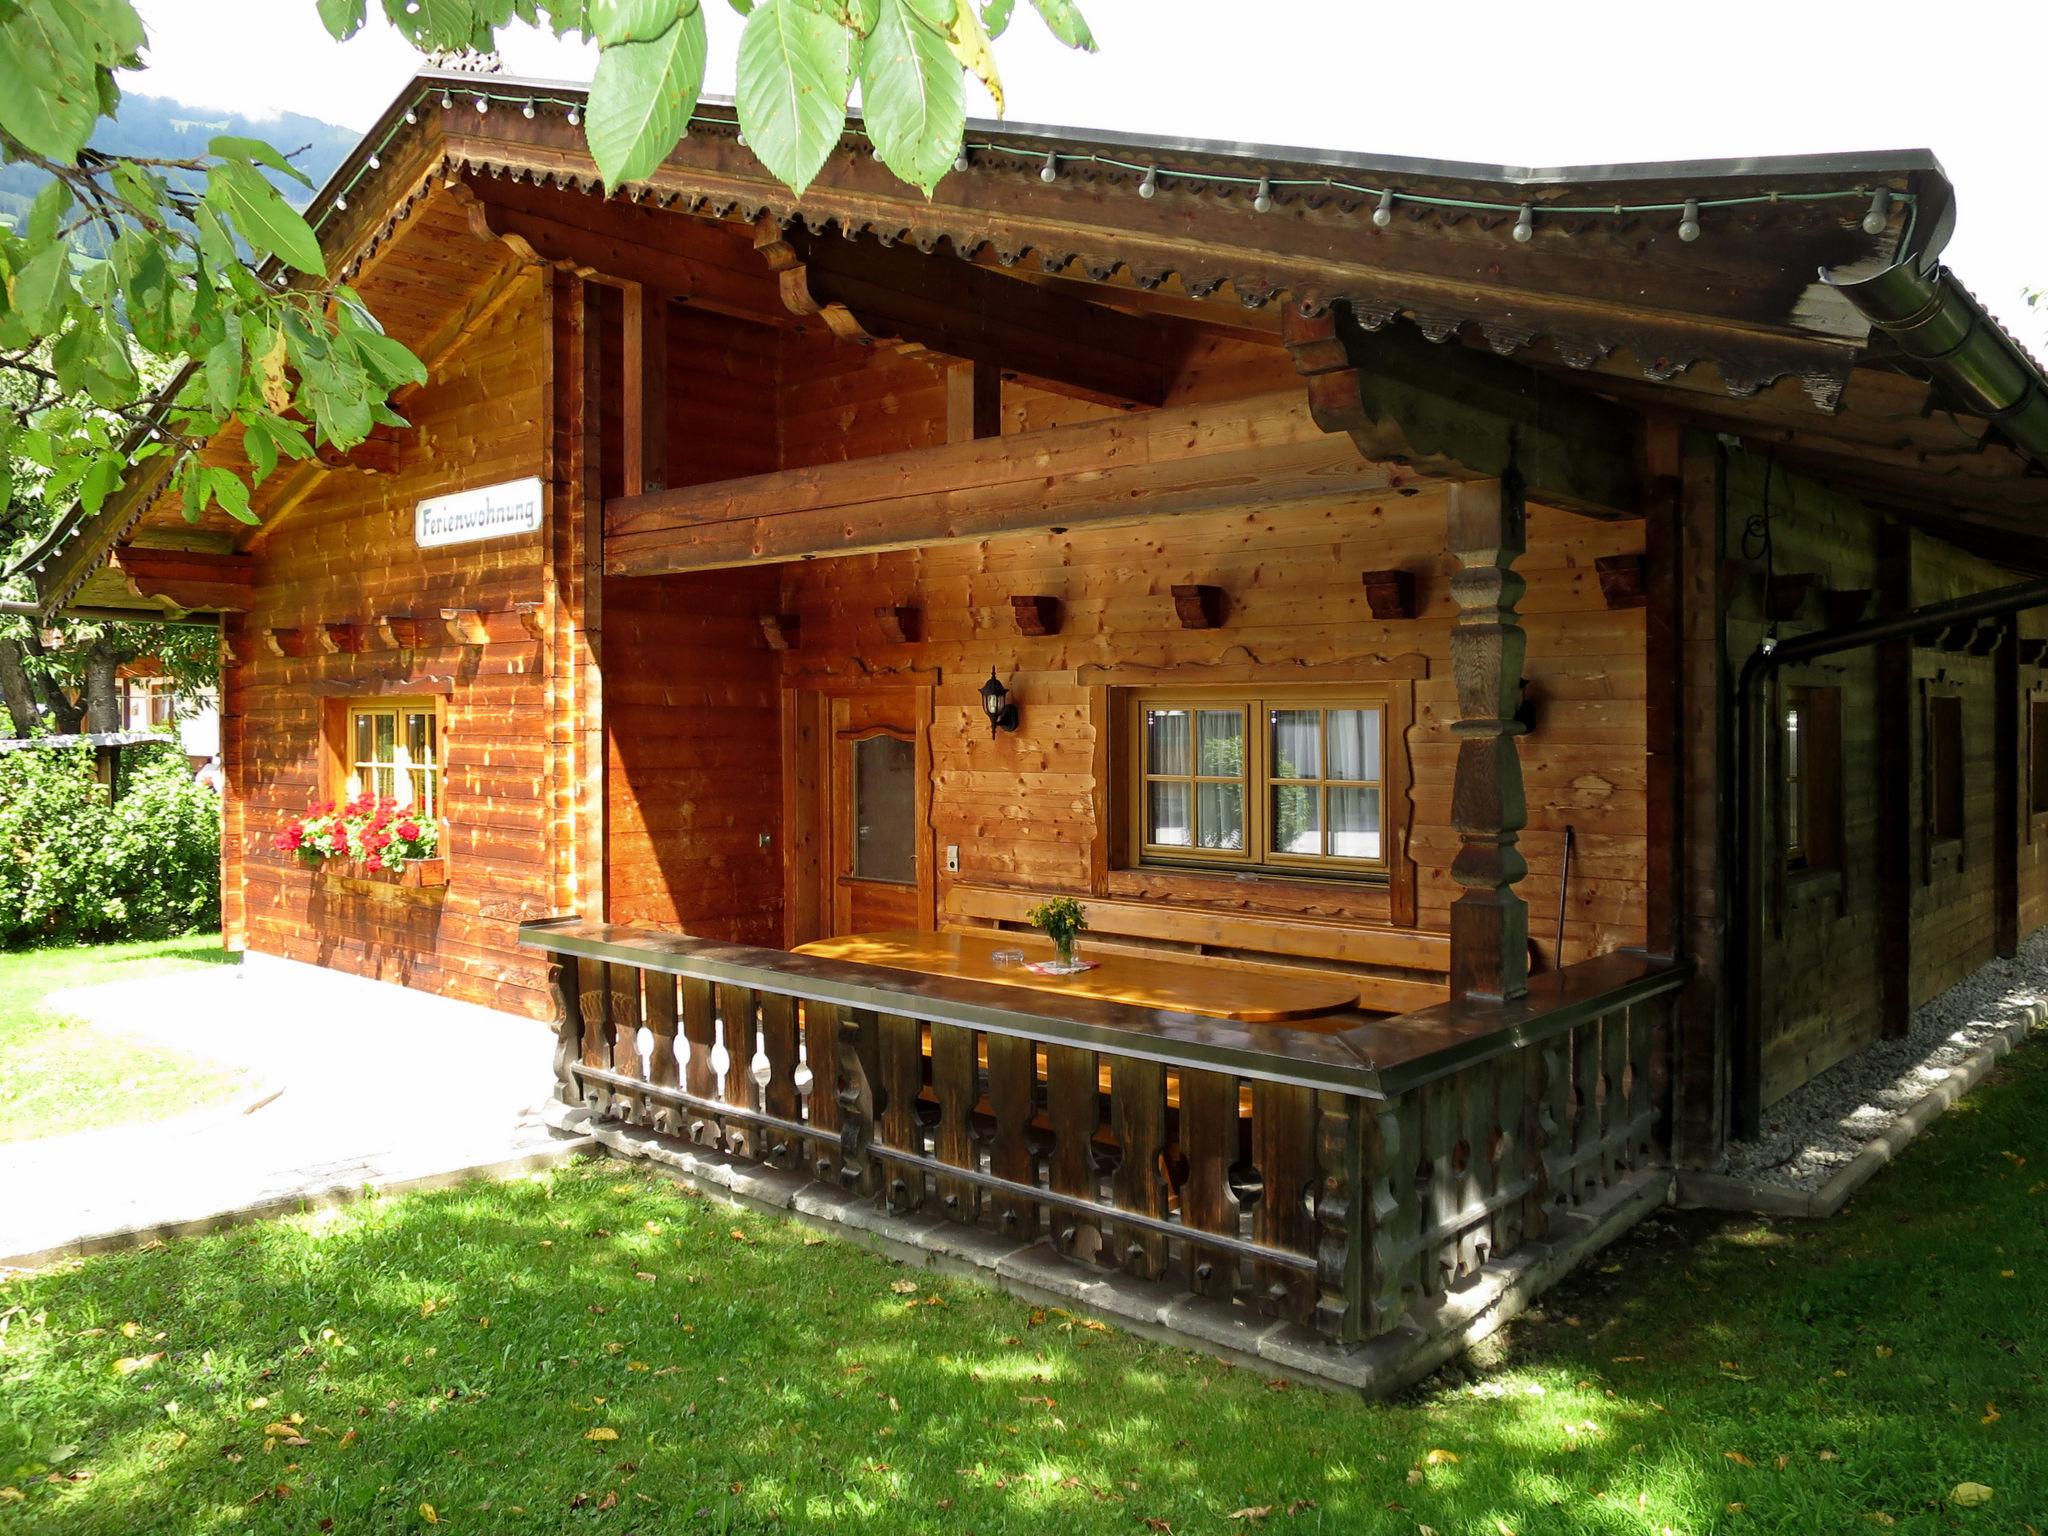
x=1385 y=199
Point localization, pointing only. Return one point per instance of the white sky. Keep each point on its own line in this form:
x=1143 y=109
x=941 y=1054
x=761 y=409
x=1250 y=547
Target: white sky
x=1571 y=82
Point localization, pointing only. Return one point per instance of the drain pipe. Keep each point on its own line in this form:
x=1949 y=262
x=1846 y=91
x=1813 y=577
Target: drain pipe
x=1746 y=933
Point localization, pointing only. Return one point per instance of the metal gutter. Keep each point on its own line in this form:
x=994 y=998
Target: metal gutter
x=1938 y=324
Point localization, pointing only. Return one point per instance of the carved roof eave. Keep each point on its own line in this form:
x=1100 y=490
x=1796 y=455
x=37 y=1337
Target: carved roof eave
x=1581 y=331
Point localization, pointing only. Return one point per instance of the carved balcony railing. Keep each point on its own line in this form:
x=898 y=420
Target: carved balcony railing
x=1334 y=1177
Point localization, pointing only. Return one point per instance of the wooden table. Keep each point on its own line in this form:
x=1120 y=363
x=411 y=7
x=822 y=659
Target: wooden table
x=1182 y=985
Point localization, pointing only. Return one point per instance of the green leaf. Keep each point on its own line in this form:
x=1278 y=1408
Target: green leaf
x=995 y=16
x=42 y=288
x=431 y=24
x=744 y=7
x=342 y=18
x=391 y=361
x=970 y=47
x=99 y=482
x=109 y=30
x=223 y=367
x=641 y=99
x=230 y=146
x=566 y=16
x=795 y=68
x=232 y=495
x=1064 y=18
x=613 y=22
x=49 y=87
x=47 y=212
x=913 y=98
x=266 y=221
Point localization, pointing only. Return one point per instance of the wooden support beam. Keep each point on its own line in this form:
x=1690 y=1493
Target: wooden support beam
x=187 y=580
x=1262 y=451
x=465 y=626
x=781 y=630
x=403 y=632
x=644 y=439
x=1403 y=398
x=285 y=642
x=2032 y=653
x=2005 y=788
x=1786 y=594
x=867 y=291
x=341 y=637
x=1895 y=818
x=533 y=618
x=1198 y=607
x=1390 y=594
x=900 y=623
x=1844 y=605
x=1036 y=615
x=1487 y=531
x=1622 y=582
x=974 y=402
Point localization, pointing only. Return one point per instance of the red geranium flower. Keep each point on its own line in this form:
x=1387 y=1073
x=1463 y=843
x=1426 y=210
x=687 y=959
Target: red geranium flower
x=409 y=830
x=373 y=862
x=341 y=839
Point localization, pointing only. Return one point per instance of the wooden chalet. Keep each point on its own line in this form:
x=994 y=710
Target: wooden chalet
x=1377 y=558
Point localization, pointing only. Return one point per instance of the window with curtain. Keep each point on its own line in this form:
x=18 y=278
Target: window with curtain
x=1810 y=749
x=1293 y=782
x=394 y=753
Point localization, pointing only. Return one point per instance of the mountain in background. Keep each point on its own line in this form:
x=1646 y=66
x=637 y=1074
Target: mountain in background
x=173 y=130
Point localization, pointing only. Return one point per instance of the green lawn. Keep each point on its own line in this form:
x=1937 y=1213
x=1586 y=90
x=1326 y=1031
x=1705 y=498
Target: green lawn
x=59 y=1075
x=593 y=1350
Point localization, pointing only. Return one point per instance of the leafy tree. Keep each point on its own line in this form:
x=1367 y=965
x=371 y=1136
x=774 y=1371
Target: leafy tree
x=147 y=302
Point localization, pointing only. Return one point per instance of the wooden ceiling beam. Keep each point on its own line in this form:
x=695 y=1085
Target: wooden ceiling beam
x=1266 y=451
x=188 y=581
x=866 y=292
x=1400 y=396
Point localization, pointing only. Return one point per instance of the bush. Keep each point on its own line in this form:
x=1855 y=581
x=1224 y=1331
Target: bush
x=75 y=869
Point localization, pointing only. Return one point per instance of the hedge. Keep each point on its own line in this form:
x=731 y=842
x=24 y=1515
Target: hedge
x=74 y=868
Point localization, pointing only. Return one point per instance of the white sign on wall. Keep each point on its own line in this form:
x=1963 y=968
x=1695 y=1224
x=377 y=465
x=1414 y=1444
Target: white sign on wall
x=489 y=512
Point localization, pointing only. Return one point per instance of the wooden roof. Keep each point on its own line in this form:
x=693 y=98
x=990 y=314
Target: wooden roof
x=439 y=208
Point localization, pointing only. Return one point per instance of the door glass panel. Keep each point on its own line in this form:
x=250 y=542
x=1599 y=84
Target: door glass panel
x=1296 y=753
x=1166 y=815
x=1354 y=745
x=1166 y=733
x=1219 y=821
x=885 y=810
x=1354 y=822
x=1297 y=828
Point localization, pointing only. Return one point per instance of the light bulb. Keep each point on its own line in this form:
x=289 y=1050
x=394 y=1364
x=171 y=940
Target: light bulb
x=483 y=104
x=1262 y=200
x=575 y=117
x=961 y=162
x=1689 y=226
x=1880 y=212
x=527 y=111
x=341 y=205
x=1050 y=171
x=1525 y=225
x=1149 y=187
x=375 y=162
x=1383 y=215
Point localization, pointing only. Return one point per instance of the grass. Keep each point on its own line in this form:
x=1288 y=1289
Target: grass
x=592 y=1350
x=59 y=1074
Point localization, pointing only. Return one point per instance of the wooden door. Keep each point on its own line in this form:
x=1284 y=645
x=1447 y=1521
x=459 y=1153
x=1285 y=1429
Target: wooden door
x=877 y=810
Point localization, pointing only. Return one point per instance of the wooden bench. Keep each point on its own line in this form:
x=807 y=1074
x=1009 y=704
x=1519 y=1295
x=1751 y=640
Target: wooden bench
x=1396 y=970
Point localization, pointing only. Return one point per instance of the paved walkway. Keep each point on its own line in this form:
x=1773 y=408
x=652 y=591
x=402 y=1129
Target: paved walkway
x=350 y=1083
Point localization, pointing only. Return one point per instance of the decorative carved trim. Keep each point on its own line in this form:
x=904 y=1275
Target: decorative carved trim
x=1786 y=594
x=1036 y=615
x=334 y=638
x=1390 y=594
x=1844 y=605
x=780 y=630
x=1199 y=607
x=1621 y=580
x=465 y=626
x=285 y=642
x=901 y=624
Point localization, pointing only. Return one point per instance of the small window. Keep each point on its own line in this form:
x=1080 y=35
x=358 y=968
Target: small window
x=1944 y=777
x=1812 y=760
x=393 y=752
x=885 y=810
x=1288 y=782
x=2037 y=757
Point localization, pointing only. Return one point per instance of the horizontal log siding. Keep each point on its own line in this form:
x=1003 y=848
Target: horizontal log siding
x=347 y=555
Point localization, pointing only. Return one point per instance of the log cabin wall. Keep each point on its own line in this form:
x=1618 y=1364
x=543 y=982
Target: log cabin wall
x=1025 y=810
x=347 y=555
x=1823 y=962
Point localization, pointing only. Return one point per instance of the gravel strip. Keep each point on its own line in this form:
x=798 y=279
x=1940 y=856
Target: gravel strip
x=1813 y=1132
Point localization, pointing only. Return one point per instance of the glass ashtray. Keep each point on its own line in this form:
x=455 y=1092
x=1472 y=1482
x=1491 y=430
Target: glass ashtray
x=1007 y=957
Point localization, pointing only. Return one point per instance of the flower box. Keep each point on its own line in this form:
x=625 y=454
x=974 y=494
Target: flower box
x=419 y=874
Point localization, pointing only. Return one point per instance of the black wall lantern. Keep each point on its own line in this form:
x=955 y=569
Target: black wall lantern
x=997 y=704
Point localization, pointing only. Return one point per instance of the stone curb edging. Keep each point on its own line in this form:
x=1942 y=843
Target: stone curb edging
x=1725 y=1192
x=1032 y=1272
x=122 y=1238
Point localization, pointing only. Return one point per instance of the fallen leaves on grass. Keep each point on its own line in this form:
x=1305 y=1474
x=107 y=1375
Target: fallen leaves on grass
x=128 y=1365
x=1440 y=1458
x=1738 y=1458
x=601 y=1433
x=1991 y=1414
x=1969 y=1495
x=428 y=1514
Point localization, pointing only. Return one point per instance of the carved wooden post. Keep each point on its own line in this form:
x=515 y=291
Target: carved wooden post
x=568 y=1026
x=1344 y=1216
x=1489 y=922
x=859 y=1072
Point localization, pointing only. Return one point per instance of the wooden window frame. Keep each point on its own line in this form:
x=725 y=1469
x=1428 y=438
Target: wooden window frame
x=1941 y=853
x=1131 y=852
x=338 y=741
x=2035 y=699
x=1814 y=788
